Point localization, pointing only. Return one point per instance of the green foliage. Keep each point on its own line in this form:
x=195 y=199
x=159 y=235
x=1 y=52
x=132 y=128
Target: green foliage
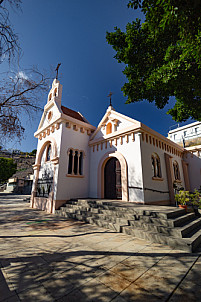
x=163 y=55
x=33 y=152
x=7 y=168
x=196 y=199
x=183 y=197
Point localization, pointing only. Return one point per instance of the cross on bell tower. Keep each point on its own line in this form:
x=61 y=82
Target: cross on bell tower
x=57 y=70
x=110 y=96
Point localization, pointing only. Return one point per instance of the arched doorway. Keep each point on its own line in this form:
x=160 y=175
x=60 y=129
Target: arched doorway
x=42 y=196
x=112 y=179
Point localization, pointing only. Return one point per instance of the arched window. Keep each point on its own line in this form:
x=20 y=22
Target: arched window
x=48 y=154
x=49 y=115
x=50 y=96
x=70 y=162
x=55 y=92
x=156 y=165
x=109 y=128
x=153 y=165
x=80 y=162
x=176 y=171
x=75 y=162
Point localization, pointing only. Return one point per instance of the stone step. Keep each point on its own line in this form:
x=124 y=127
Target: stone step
x=139 y=224
x=188 y=244
x=106 y=224
x=71 y=206
x=131 y=209
x=195 y=239
x=105 y=213
x=177 y=232
x=111 y=219
x=178 y=243
x=171 y=227
x=96 y=216
x=121 y=218
x=136 y=215
x=107 y=208
x=189 y=227
x=181 y=220
x=178 y=221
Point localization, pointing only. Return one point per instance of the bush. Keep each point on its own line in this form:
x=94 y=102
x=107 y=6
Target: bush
x=7 y=168
x=184 y=197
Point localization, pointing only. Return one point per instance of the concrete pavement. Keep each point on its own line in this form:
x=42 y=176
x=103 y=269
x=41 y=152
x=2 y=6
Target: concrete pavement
x=48 y=258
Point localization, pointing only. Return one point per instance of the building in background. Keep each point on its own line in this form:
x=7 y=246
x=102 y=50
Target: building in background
x=19 y=185
x=188 y=136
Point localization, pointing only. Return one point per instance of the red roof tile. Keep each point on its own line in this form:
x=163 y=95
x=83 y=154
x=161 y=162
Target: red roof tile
x=72 y=113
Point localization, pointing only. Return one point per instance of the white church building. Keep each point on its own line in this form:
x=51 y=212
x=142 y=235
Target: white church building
x=120 y=159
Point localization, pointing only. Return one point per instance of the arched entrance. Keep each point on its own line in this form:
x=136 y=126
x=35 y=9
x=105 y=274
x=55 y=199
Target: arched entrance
x=42 y=196
x=101 y=172
x=112 y=179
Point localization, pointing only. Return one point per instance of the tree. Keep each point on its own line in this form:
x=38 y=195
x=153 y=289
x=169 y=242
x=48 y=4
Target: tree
x=7 y=168
x=20 y=91
x=9 y=43
x=33 y=152
x=19 y=95
x=163 y=55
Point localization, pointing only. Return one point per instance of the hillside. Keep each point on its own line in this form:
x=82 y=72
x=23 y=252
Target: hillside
x=24 y=163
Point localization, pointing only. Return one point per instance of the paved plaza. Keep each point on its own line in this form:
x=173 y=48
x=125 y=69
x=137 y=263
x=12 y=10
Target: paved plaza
x=48 y=258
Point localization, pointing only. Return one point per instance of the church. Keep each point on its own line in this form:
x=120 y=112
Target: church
x=121 y=159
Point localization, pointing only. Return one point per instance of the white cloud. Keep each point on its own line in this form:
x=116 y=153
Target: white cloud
x=22 y=75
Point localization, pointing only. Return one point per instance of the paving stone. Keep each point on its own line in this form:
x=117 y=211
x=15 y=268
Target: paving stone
x=119 y=299
x=141 y=261
x=58 y=287
x=80 y=275
x=65 y=261
x=14 y=298
x=95 y=290
x=131 y=274
x=22 y=281
x=137 y=293
x=36 y=294
x=186 y=292
x=6 y=291
x=74 y=296
x=62 y=266
x=158 y=283
x=114 y=281
x=104 y=262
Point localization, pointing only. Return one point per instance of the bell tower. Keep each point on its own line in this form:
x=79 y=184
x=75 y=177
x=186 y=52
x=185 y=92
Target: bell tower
x=55 y=93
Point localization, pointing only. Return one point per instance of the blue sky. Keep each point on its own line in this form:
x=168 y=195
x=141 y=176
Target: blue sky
x=73 y=33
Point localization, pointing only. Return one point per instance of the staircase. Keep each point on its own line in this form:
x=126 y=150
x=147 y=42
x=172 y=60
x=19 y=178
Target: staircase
x=166 y=225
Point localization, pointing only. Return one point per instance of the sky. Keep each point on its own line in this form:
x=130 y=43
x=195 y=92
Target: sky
x=73 y=33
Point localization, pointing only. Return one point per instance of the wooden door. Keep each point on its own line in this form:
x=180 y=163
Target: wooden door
x=112 y=179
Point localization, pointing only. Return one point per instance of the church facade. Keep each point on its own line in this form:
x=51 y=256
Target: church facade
x=120 y=159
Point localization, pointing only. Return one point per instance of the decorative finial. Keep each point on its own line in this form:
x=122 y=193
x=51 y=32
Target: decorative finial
x=110 y=96
x=57 y=70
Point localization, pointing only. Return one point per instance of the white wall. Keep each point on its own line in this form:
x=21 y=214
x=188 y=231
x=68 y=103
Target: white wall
x=69 y=186
x=158 y=185
x=187 y=132
x=131 y=153
x=194 y=170
x=53 y=170
x=122 y=124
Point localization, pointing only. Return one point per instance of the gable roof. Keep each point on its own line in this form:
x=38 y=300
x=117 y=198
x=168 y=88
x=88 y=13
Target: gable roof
x=73 y=114
x=110 y=111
